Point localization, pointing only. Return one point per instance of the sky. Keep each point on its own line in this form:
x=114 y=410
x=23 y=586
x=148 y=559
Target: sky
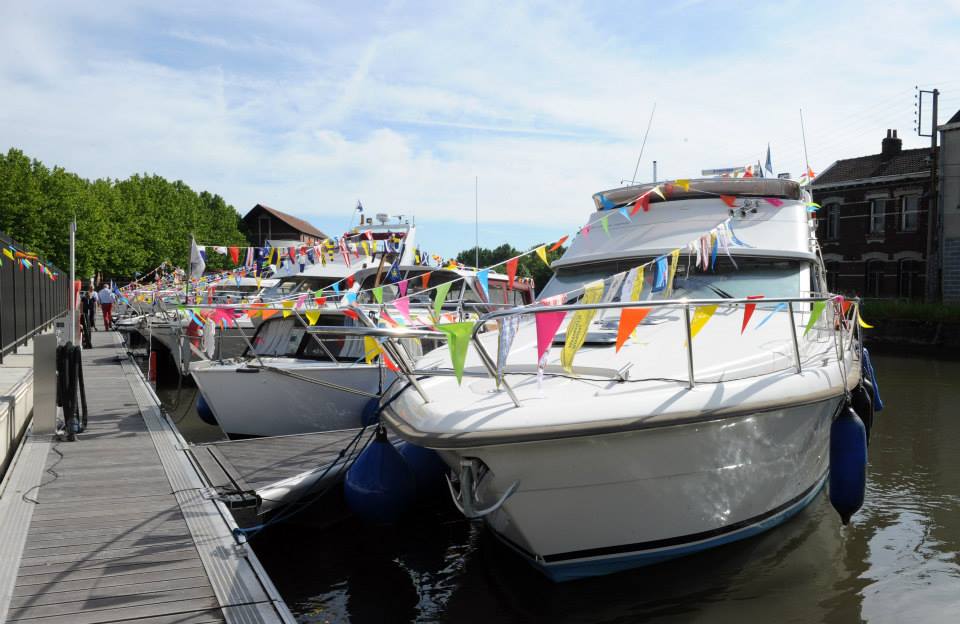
x=411 y=107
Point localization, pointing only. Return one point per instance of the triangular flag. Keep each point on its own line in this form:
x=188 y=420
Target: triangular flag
x=861 y=322
x=287 y=305
x=604 y=223
x=657 y=190
x=313 y=316
x=637 y=287
x=483 y=278
x=425 y=279
x=580 y=324
x=748 y=311
x=371 y=349
x=773 y=312
x=267 y=313
x=402 y=304
x=626 y=215
x=684 y=184
x=378 y=294
x=235 y=255
x=729 y=200
x=815 y=312
x=458 y=341
x=642 y=202
x=701 y=314
x=773 y=201
x=507 y=331
x=557 y=245
x=440 y=296
x=542 y=252
x=629 y=319
x=402 y=287
x=547 y=325
x=674 y=261
x=512 y=271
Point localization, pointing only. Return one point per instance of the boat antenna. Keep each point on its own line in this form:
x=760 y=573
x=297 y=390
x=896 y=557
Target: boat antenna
x=476 y=222
x=803 y=133
x=636 y=169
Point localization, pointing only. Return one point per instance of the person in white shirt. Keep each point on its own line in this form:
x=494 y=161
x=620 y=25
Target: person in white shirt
x=105 y=297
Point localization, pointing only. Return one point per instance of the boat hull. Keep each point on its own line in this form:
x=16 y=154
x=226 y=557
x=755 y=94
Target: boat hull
x=249 y=401
x=589 y=506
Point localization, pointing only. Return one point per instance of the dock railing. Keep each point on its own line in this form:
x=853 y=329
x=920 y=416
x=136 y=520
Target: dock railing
x=30 y=301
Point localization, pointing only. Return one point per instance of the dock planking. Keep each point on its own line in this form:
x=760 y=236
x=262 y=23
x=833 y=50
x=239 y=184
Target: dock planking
x=117 y=526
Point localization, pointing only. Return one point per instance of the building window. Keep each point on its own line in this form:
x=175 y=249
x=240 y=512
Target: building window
x=833 y=270
x=264 y=227
x=874 y=281
x=833 y=221
x=907 y=274
x=909 y=209
x=878 y=209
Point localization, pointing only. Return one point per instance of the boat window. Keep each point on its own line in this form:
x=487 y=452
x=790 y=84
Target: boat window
x=278 y=337
x=415 y=288
x=499 y=293
x=771 y=277
x=311 y=348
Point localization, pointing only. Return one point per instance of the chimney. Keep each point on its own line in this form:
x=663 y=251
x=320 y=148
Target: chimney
x=890 y=146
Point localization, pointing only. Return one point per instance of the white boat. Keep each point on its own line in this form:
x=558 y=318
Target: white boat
x=296 y=381
x=671 y=445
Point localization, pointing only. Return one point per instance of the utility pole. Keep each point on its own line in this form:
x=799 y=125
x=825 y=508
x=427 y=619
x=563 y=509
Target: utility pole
x=932 y=292
x=72 y=333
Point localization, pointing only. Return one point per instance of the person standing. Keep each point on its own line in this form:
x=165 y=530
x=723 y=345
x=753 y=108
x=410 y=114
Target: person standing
x=106 y=299
x=88 y=304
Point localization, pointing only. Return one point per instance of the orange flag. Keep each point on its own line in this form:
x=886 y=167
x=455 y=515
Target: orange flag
x=235 y=255
x=629 y=319
x=557 y=245
x=425 y=280
x=729 y=200
x=512 y=271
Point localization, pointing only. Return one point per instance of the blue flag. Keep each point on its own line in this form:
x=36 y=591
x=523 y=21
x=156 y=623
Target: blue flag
x=769 y=164
x=661 y=267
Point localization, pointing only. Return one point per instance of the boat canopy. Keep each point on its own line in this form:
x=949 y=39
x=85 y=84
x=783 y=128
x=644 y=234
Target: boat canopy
x=704 y=188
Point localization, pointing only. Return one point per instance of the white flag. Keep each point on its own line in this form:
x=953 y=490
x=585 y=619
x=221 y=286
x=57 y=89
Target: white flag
x=197 y=262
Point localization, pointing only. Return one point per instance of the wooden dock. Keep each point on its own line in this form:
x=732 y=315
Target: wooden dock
x=119 y=525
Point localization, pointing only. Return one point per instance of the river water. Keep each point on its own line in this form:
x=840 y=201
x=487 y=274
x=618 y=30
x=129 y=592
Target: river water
x=897 y=561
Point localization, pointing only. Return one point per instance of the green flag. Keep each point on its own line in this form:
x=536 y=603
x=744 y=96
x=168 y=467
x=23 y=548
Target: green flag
x=378 y=294
x=440 y=297
x=458 y=340
x=815 y=313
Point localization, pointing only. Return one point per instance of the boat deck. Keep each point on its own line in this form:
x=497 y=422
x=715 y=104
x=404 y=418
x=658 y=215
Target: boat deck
x=119 y=526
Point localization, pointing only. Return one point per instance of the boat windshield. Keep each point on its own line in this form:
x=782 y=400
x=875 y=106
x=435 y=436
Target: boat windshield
x=770 y=277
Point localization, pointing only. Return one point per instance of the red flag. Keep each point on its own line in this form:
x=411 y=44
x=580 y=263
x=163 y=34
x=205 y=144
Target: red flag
x=629 y=319
x=512 y=271
x=748 y=311
x=351 y=314
x=729 y=200
x=235 y=255
x=845 y=306
x=557 y=245
x=388 y=318
x=425 y=279
x=388 y=363
x=349 y=281
x=642 y=202
x=320 y=300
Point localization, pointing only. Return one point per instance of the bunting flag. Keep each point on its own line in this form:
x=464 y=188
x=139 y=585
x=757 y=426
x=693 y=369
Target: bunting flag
x=8 y=253
x=557 y=245
x=267 y=313
x=351 y=314
x=629 y=319
x=701 y=314
x=425 y=280
x=580 y=324
x=350 y=281
x=235 y=255
x=483 y=278
x=507 y=332
x=748 y=312
x=660 y=274
x=773 y=201
x=439 y=297
x=604 y=223
x=313 y=316
x=378 y=294
x=402 y=287
x=389 y=319
x=547 y=325
x=371 y=349
x=542 y=252
x=657 y=190
x=402 y=304
x=861 y=322
x=512 y=271
x=586 y=230
x=714 y=247
x=458 y=341
x=780 y=306
x=642 y=202
x=684 y=184
x=815 y=312
x=606 y=203
x=674 y=261
x=287 y=305
x=301 y=301
x=729 y=200
x=628 y=282
x=336 y=288
x=626 y=215
x=637 y=285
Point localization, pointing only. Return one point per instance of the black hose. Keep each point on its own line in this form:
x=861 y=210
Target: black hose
x=83 y=391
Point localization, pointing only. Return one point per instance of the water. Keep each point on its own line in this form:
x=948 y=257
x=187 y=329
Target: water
x=897 y=561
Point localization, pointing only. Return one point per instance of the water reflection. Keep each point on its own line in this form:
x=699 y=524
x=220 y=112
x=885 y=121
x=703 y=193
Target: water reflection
x=897 y=560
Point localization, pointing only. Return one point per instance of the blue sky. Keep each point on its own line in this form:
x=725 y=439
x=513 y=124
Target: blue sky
x=309 y=106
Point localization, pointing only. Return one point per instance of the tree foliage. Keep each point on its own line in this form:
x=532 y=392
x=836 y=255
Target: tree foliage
x=123 y=226
x=529 y=265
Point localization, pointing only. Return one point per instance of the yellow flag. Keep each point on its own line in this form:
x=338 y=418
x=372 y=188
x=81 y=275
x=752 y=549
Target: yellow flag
x=313 y=316
x=542 y=252
x=861 y=322
x=8 y=253
x=637 y=285
x=701 y=314
x=371 y=349
x=580 y=324
x=287 y=305
x=684 y=184
x=674 y=260
x=366 y=248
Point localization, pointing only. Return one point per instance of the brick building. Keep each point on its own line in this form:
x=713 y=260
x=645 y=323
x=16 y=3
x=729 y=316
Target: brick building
x=950 y=206
x=265 y=223
x=872 y=224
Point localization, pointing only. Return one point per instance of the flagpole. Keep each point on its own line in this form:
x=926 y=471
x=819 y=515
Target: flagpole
x=803 y=133
x=476 y=221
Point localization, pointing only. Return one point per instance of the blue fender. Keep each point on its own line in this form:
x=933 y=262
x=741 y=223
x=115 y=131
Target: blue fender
x=204 y=411
x=427 y=467
x=848 y=463
x=379 y=486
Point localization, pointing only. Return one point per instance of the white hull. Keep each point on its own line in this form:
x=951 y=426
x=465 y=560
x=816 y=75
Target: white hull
x=593 y=505
x=263 y=402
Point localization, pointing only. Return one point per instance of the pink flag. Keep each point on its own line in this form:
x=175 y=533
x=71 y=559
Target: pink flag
x=301 y=300
x=547 y=325
x=402 y=304
x=773 y=201
x=402 y=287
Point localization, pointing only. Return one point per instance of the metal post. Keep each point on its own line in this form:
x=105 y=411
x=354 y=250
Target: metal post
x=793 y=332
x=72 y=333
x=934 y=232
x=686 y=321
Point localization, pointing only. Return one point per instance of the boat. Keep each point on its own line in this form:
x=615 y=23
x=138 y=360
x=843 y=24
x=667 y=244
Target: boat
x=707 y=426
x=294 y=380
